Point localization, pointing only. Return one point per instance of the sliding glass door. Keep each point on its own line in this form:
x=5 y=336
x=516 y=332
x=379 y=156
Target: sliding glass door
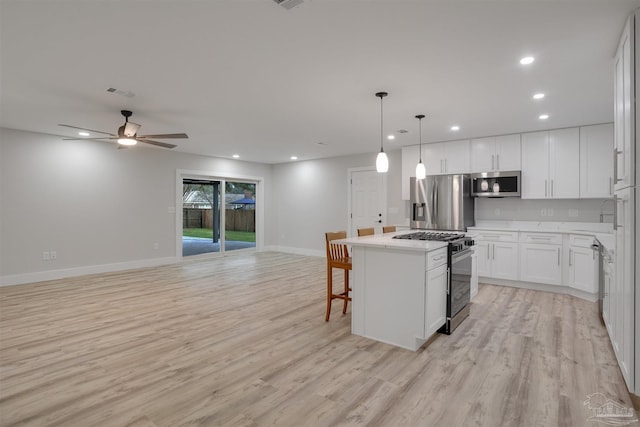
x=217 y=216
x=240 y=215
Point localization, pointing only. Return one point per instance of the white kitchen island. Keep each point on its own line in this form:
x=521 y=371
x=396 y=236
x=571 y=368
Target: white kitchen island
x=399 y=289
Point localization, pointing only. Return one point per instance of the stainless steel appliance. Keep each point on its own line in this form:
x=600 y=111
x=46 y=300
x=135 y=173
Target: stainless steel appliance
x=459 y=274
x=441 y=202
x=496 y=184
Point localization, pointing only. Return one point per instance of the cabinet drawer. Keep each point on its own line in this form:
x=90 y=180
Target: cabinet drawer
x=497 y=236
x=436 y=258
x=580 y=240
x=548 y=238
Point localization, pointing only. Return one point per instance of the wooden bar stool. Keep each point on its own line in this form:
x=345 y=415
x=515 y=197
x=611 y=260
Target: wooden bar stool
x=366 y=231
x=389 y=229
x=337 y=257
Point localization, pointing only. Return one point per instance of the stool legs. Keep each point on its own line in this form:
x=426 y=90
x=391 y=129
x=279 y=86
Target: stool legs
x=329 y=292
x=346 y=291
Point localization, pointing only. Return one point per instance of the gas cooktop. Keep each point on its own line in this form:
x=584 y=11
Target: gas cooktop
x=430 y=235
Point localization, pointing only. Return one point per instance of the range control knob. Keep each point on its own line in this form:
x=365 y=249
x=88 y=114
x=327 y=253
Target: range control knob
x=469 y=242
x=456 y=247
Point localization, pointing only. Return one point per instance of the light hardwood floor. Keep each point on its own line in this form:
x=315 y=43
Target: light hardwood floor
x=242 y=341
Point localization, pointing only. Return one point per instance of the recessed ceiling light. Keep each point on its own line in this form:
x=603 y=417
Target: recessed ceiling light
x=294 y=157
x=527 y=60
x=391 y=137
x=84 y=134
x=543 y=116
x=538 y=96
x=455 y=128
x=236 y=156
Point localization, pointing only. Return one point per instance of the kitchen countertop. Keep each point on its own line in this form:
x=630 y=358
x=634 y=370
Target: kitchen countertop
x=601 y=231
x=387 y=241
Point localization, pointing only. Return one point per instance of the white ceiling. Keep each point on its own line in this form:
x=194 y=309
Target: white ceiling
x=252 y=78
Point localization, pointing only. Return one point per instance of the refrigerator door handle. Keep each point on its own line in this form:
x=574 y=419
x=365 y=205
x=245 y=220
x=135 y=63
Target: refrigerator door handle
x=615 y=212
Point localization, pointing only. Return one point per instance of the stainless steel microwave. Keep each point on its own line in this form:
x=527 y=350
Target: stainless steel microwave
x=495 y=184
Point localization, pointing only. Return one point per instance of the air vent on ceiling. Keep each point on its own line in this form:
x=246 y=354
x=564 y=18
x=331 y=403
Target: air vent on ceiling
x=288 y=4
x=121 y=92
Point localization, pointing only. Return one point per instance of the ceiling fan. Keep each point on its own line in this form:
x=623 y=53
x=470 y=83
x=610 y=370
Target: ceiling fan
x=128 y=134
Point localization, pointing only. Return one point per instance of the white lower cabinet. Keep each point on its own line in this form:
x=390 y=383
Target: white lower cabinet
x=541 y=263
x=497 y=255
x=582 y=264
x=541 y=258
x=436 y=300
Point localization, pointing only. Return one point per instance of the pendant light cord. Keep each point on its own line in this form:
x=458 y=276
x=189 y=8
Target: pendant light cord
x=420 y=126
x=381 y=125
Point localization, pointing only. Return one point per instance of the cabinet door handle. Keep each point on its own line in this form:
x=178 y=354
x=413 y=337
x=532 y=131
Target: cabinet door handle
x=558 y=256
x=492 y=161
x=615 y=212
x=610 y=185
x=498 y=161
x=539 y=238
x=445 y=165
x=569 y=257
x=441 y=166
x=545 y=188
x=494 y=252
x=616 y=153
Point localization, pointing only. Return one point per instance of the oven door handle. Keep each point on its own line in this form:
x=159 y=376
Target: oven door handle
x=448 y=281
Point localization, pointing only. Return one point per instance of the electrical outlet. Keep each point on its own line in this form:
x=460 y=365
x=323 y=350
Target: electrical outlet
x=53 y=254
x=550 y=212
x=45 y=256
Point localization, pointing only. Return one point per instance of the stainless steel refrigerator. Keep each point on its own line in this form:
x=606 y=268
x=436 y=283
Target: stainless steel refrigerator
x=442 y=202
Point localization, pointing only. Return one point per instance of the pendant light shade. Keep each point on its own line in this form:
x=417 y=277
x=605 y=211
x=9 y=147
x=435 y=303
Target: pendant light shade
x=382 y=162
x=421 y=171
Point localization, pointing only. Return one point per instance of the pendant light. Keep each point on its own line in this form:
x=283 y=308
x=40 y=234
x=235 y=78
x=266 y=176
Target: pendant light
x=421 y=172
x=382 y=162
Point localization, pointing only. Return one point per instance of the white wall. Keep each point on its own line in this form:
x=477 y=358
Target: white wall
x=311 y=198
x=93 y=204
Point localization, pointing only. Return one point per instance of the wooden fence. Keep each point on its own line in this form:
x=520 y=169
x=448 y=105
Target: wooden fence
x=237 y=219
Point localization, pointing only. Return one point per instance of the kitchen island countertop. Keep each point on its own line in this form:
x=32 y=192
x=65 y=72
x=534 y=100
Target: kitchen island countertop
x=387 y=241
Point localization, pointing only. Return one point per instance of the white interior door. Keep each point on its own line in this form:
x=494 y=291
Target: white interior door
x=368 y=200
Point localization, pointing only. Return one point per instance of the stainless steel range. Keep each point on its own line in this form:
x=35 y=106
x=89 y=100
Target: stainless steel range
x=459 y=273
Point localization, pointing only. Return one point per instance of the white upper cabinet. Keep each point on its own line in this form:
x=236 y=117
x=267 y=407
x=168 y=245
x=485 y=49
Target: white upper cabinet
x=447 y=157
x=623 y=110
x=535 y=165
x=499 y=153
x=551 y=164
x=564 y=163
x=596 y=163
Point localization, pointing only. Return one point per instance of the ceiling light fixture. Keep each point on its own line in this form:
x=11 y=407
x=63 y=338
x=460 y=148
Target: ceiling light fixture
x=382 y=161
x=455 y=128
x=538 y=96
x=127 y=141
x=527 y=60
x=543 y=116
x=391 y=137
x=236 y=156
x=421 y=171
x=294 y=157
x=84 y=134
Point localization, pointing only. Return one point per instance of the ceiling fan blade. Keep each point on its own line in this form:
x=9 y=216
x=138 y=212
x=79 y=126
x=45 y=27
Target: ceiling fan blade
x=159 y=144
x=104 y=138
x=130 y=129
x=166 y=136
x=88 y=130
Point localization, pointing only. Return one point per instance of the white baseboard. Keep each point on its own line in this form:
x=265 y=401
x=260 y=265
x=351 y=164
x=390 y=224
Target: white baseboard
x=558 y=289
x=296 y=251
x=41 y=276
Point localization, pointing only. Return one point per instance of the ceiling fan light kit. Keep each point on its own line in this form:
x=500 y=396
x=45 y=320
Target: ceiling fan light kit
x=128 y=134
x=382 y=161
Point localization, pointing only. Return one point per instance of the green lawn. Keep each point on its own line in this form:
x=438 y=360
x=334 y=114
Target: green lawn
x=238 y=236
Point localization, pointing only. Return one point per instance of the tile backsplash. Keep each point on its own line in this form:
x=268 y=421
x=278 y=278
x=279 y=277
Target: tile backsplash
x=516 y=209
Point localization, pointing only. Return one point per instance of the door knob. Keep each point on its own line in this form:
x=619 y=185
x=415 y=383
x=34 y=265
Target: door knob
x=379 y=214
x=380 y=221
